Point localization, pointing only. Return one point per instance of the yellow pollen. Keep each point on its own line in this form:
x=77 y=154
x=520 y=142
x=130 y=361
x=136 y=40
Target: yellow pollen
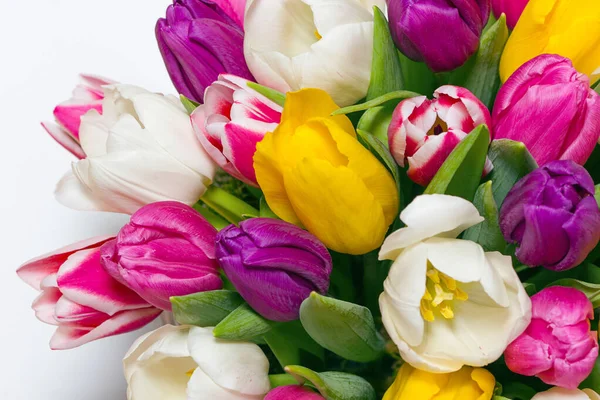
x=434 y=275
x=190 y=372
x=441 y=291
x=318 y=35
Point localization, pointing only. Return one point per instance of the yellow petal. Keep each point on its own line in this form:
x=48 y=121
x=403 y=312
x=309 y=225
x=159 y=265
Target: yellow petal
x=486 y=382
x=413 y=384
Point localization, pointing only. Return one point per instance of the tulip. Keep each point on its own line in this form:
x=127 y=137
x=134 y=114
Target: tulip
x=558 y=346
x=553 y=217
x=87 y=96
x=447 y=303
x=425 y=132
x=198 y=41
x=466 y=384
x=442 y=34
x=327 y=44
x=558 y=393
x=293 y=392
x=232 y=120
x=141 y=150
x=80 y=298
x=569 y=28
x=511 y=8
x=184 y=362
x=274 y=265
x=314 y=172
x=550 y=107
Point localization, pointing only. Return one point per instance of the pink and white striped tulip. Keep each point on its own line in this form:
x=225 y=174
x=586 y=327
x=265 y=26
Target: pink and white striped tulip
x=87 y=95
x=232 y=120
x=424 y=132
x=80 y=298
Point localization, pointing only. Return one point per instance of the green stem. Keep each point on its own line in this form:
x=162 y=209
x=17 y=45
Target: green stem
x=227 y=206
x=214 y=219
x=521 y=268
x=282 y=380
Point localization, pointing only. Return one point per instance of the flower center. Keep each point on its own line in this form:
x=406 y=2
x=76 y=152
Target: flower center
x=440 y=293
x=438 y=127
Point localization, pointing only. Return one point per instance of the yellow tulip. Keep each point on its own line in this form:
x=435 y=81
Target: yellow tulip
x=314 y=173
x=466 y=384
x=570 y=28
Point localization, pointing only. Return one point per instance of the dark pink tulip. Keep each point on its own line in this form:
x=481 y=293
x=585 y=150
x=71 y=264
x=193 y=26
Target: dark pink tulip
x=549 y=106
x=512 y=8
x=80 y=298
x=558 y=346
x=167 y=249
x=294 y=392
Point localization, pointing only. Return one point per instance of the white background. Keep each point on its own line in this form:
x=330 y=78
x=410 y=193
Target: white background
x=44 y=44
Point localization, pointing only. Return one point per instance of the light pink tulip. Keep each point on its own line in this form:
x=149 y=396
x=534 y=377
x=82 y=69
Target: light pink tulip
x=512 y=8
x=79 y=297
x=294 y=392
x=424 y=132
x=232 y=120
x=234 y=9
x=87 y=96
x=558 y=346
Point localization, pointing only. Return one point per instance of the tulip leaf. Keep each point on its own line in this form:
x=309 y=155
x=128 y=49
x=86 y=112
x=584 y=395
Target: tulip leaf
x=265 y=210
x=227 y=205
x=242 y=324
x=512 y=162
x=271 y=94
x=591 y=290
x=593 y=379
x=386 y=71
x=518 y=391
x=277 y=380
x=213 y=218
x=205 y=308
x=597 y=195
x=380 y=151
x=417 y=76
x=344 y=328
x=378 y=101
x=376 y=121
x=292 y=345
x=190 y=105
x=461 y=172
x=597 y=87
x=334 y=385
x=487 y=233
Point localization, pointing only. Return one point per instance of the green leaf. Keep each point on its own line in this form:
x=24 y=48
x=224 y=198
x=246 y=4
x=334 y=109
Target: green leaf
x=271 y=94
x=346 y=329
x=386 y=71
x=265 y=210
x=597 y=87
x=376 y=121
x=205 y=308
x=592 y=165
x=487 y=233
x=378 y=101
x=512 y=162
x=227 y=205
x=242 y=324
x=591 y=290
x=381 y=152
x=586 y=272
x=213 y=218
x=190 y=105
x=484 y=79
x=417 y=76
x=593 y=380
x=334 y=385
x=530 y=288
x=518 y=391
x=461 y=172
x=292 y=345
x=282 y=380
x=597 y=195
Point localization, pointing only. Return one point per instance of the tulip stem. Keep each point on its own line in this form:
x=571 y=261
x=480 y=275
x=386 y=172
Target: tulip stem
x=227 y=205
x=214 y=219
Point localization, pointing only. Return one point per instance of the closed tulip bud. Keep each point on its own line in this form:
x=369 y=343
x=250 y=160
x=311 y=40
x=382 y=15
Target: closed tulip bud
x=199 y=41
x=274 y=265
x=562 y=112
x=232 y=120
x=167 y=249
x=294 y=392
x=424 y=132
x=442 y=34
x=553 y=216
x=511 y=8
x=558 y=346
x=314 y=172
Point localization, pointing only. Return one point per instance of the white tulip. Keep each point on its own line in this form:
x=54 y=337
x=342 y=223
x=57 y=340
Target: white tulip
x=446 y=302
x=189 y=363
x=558 y=393
x=326 y=44
x=141 y=150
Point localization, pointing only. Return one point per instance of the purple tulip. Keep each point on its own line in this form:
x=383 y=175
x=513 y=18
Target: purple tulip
x=549 y=106
x=293 y=392
x=167 y=249
x=199 y=41
x=274 y=265
x=441 y=33
x=553 y=216
x=512 y=8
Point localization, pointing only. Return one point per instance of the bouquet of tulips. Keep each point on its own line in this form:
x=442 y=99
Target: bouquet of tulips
x=349 y=200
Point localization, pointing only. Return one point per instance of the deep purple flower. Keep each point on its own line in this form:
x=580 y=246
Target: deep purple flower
x=274 y=265
x=198 y=41
x=441 y=33
x=553 y=216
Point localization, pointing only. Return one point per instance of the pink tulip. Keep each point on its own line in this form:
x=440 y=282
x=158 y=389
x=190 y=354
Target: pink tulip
x=87 y=96
x=232 y=120
x=293 y=392
x=234 y=9
x=167 y=249
x=80 y=298
x=424 y=132
x=512 y=8
x=558 y=346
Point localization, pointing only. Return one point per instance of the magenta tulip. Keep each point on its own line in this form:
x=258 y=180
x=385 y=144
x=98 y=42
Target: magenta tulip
x=293 y=392
x=80 y=298
x=511 y=8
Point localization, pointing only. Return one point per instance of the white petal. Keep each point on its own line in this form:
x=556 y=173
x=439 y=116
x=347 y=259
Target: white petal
x=201 y=387
x=93 y=134
x=72 y=192
x=558 y=393
x=328 y=14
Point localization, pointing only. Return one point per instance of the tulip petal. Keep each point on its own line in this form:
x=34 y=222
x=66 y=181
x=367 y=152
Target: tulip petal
x=201 y=386
x=45 y=304
x=63 y=138
x=562 y=306
x=528 y=356
x=295 y=392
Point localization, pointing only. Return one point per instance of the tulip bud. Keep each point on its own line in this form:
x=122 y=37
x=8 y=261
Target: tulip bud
x=232 y=120
x=443 y=34
x=558 y=393
x=87 y=96
x=558 y=346
x=424 y=132
x=563 y=113
x=511 y=8
x=274 y=265
x=167 y=249
x=553 y=216
x=199 y=41
x=294 y=392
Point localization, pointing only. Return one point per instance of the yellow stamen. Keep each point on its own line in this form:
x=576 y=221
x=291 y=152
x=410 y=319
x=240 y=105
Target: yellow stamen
x=447 y=312
x=441 y=295
x=318 y=35
x=441 y=291
x=190 y=372
x=449 y=282
x=426 y=311
x=434 y=275
x=461 y=295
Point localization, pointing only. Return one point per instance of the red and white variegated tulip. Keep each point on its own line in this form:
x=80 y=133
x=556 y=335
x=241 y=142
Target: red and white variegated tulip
x=232 y=120
x=87 y=95
x=82 y=299
x=424 y=132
